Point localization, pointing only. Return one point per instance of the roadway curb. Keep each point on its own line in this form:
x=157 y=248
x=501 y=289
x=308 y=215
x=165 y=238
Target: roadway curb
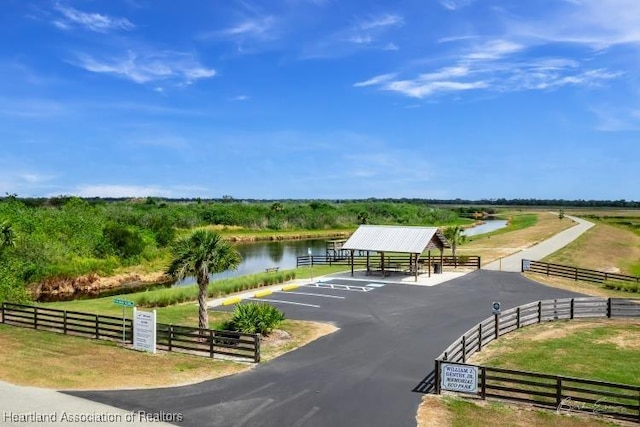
x=256 y=294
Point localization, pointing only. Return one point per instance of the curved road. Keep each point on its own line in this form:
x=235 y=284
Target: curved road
x=513 y=263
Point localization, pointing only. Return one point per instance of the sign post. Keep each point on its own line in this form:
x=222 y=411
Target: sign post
x=124 y=303
x=460 y=378
x=144 y=330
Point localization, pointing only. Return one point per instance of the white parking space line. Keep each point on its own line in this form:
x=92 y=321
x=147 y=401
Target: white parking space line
x=284 y=302
x=375 y=285
x=310 y=293
x=340 y=287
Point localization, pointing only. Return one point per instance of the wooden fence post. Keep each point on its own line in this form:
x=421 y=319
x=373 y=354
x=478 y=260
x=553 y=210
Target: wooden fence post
x=540 y=311
x=483 y=385
x=478 y=265
x=558 y=392
x=576 y=274
x=572 y=311
x=464 y=349
x=97 y=327
x=211 y=341
x=170 y=338
x=35 y=317
x=479 y=336
x=609 y=307
x=64 y=322
x=518 y=317
x=496 y=325
x=256 y=348
x=547 y=269
x=436 y=377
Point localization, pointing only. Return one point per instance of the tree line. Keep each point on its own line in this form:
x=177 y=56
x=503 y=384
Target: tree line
x=68 y=237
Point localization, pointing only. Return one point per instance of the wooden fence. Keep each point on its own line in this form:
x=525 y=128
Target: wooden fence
x=575 y=273
x=208 y=342
x=472 y=261
x=66 y=322
x=543 y=389
x=202 y=342
x=558 y=392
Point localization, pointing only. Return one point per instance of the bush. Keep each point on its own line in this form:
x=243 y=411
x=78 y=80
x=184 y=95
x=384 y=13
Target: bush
x=255 y=318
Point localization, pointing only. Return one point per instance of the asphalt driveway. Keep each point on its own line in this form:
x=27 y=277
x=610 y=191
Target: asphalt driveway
x=362 y=375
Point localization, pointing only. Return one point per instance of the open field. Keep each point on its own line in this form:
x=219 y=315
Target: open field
x=527 y=232
x=586 y=288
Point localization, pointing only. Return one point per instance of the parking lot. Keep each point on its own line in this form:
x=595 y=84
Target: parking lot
x=364 y=374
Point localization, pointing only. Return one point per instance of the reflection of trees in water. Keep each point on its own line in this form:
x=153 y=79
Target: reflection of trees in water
x=276 y=251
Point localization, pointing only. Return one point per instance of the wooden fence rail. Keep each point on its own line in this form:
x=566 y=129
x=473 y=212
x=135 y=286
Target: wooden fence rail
x=202 y=342
x=559 y=392
x=575 y=273
x=472 y=261
x=569 y=393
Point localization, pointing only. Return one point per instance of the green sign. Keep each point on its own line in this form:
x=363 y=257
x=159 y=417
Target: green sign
x=123 y=302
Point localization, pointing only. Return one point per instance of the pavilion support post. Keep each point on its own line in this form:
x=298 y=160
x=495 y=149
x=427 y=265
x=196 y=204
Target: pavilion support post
x=352 y=251
x=368 y=263
x=429 y=262
x=382 y=262
x=415 y=266
x=442 y=257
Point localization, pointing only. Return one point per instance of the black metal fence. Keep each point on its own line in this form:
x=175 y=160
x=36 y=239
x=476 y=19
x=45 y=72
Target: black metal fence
x=575 y=273
x=618 y=400
x=187 y=339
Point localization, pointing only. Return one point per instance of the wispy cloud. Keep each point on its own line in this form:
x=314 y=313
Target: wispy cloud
x=109 y=190
x=70 y=18
x=240 y=98
x=375 y=80
x=145 y=67
x=454 y=4
x=255 y=28
x=596 y=23
x=617 y=119
x=366 y=33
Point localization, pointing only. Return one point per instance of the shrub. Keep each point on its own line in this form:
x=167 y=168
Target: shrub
x=255 y=318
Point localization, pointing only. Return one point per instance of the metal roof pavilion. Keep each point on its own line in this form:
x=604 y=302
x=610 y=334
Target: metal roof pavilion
x=394 y=238
x=400 y=239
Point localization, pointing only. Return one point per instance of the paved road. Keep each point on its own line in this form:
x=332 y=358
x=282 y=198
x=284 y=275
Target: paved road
x=362 y=375
x=513 y=263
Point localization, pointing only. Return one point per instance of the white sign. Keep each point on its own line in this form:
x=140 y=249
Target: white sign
x=144 y=330
x=461 y=378
x=526 y=265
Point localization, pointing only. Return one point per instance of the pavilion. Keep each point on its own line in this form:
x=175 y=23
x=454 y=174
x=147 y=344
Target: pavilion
x=413 y=241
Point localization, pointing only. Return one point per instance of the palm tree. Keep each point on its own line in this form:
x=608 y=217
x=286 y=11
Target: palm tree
x=455 y=237
x=202 y=253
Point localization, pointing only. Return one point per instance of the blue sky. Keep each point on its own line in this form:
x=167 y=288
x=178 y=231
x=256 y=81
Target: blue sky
x=321 y=98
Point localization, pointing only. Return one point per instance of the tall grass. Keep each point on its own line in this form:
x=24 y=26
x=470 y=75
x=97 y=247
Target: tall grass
x=219 y=288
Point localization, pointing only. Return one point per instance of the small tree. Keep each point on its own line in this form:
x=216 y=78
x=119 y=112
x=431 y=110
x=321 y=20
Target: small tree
x=561 y=214
x=202 y=253
x=455 y=237
x=7 y=236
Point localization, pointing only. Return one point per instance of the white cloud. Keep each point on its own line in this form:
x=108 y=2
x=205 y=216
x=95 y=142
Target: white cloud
x=494 y=49
x=90 y=21
x=454 y=4
x=240 y=98
x=182 y=68
x=375 y=80
x=596 y=23
x=386 y=20
x=255 y=27
x=422 y=89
